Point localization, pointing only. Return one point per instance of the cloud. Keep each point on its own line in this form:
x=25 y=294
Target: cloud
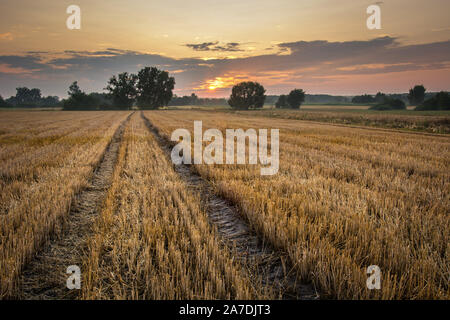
x=329 y=56
x=214 y=46
x=313 y=65
x=205 y=46
x=440 y=29
x=6 y=36
x=8 y=69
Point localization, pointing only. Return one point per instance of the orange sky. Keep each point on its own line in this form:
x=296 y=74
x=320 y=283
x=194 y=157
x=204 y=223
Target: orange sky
x=208 y=45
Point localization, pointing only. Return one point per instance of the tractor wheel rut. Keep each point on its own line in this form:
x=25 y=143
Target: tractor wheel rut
x=273 y=267
x=45 y=277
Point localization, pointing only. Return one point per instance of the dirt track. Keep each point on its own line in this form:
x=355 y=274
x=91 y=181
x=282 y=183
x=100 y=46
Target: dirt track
x=273 y=267
x=45 y=276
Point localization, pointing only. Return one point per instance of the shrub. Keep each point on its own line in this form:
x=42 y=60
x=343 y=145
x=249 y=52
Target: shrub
x=154 y=88
x=282 y=102
x=389 y=104
x=3 y=103
x=441 y=101
x=296 y=98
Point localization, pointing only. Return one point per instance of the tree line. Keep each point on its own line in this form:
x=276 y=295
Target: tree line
x=152 y=88
x=417 y=97
x=194 y=100
x=26 y=97
x=251 y=95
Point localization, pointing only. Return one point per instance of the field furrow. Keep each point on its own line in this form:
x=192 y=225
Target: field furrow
x=34 y=210
x=45 y=276
x=153 y=239
x=98 y=190
x=272 y=266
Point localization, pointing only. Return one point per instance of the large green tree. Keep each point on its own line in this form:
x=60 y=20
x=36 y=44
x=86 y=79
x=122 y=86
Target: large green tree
x=74 y=90
x=31 y=98
x=122 y=89
x=26 y=97
x=281 y=102
x=295 y=98
x=79 y=100
x=247 y=95
x=416 y=95
x=154 y=88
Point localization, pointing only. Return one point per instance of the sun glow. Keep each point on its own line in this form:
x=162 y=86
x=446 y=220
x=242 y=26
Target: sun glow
x=214 y=84
x=218 y=83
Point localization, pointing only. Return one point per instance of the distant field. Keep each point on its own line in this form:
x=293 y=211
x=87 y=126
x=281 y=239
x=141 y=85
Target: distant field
x=421 y=121
x=333 y=107
x=98 y=190
x=30 y=109
x=408 y=120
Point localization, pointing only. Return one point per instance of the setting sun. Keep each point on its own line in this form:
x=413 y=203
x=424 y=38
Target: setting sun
x=218 y=83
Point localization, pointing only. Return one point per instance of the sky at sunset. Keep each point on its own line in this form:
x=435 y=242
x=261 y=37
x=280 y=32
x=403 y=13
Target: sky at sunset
x=322 y=46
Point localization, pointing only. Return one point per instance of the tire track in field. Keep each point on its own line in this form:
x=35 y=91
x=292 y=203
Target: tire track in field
x=273 y=267
x=45 y=276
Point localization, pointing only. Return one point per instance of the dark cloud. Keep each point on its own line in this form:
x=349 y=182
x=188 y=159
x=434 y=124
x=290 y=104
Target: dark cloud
x=205 y=46
x=330 y=56
x=214 y=46
x=107 y=52
x=302 y=61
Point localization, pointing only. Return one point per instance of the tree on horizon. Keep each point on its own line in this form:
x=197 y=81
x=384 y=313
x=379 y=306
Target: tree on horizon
x=122 y=89
x=154 y=88
x=416 y=95
x=247 y=95
x=295 y=98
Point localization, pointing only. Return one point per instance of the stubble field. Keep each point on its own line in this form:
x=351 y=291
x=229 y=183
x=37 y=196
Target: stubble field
x=98 y=190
